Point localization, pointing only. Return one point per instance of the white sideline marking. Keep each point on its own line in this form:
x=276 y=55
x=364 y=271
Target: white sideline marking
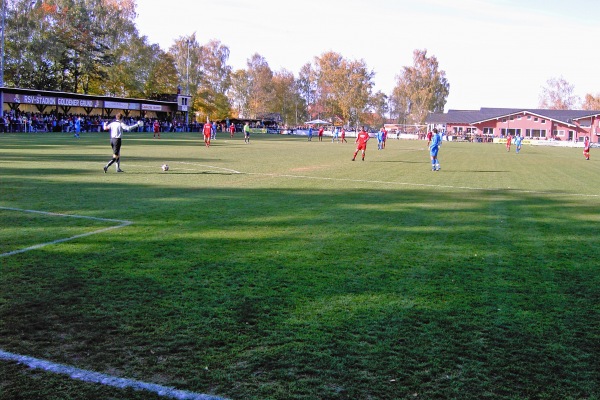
x=121 y=224
x=108 y=380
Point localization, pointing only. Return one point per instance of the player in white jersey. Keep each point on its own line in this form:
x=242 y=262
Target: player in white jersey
x=116 y=128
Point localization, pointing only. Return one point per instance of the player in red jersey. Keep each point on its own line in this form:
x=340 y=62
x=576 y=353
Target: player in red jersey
x=231 y=130
x=343 y=135
x=321 y=134
x=361 y=139
x=156 y=128
x=429 y=136
x=508 y=142
x=586 y=148
x=206 y=130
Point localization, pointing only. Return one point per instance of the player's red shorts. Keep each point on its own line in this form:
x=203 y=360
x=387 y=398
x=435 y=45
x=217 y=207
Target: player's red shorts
x=361 y=146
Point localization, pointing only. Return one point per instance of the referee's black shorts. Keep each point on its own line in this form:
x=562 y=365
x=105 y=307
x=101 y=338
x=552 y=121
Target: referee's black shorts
x=115 y=143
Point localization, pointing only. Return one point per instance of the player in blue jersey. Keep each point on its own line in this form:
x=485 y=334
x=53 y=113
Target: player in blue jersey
x=518 y=143
x=380 y=136
x=335 y=134
x=77 y=127
x=434 y=148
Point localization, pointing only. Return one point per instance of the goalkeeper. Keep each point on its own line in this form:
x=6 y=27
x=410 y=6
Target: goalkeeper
x=116 y=128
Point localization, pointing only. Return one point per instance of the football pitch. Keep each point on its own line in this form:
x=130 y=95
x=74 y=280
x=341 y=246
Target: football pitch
x=283 y=270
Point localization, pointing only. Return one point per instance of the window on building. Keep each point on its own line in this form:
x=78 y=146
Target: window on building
x=490 y=131
x=519 y=117
x=543 y=121
x=503 y=119
x=585 y=123
x=538 y=133
x=529 y=117
x=535 y=119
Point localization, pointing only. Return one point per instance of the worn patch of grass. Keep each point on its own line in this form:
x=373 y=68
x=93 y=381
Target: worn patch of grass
x=283 y=270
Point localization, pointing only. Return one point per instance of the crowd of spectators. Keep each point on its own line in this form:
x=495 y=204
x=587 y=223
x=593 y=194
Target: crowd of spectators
x=16 y=121
x=19 y=121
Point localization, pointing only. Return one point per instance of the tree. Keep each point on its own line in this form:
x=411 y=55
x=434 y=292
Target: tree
x=162 y=74
x=23 y=40
x=186 y=53
x=591 y=102
x=205 y=75
x=329 y=69
x=239 y=93
x=307 y=89
x=215 y=80
x=421 y=89
x=338 y=87
x=261 y=90
x=558 y=95
x=214 y=105
x=286 y=98
x=354 y=92
x=70 y=45
x=380 y=105
x=216 y=74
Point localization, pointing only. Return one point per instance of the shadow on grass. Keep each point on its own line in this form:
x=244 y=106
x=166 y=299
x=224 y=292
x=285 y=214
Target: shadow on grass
x=317 y=293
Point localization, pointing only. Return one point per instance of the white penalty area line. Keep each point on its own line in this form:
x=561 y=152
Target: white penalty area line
x=417 y=184
x=211 y=167
x=233 y=171
x=120 y=224
x=107 y=380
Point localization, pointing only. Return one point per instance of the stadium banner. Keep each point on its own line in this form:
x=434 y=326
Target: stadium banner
x=62 y=101
x=28 y=99
x=154 y=107
x=258 y=130
x=116 y=104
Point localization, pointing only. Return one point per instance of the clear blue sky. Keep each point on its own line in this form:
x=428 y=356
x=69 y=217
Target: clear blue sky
x=496 y=53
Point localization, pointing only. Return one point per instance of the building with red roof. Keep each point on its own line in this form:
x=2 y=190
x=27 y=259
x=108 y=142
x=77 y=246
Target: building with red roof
x=533 y=124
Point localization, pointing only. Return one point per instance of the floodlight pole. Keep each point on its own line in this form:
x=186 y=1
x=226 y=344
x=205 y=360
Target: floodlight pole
x=187 y=83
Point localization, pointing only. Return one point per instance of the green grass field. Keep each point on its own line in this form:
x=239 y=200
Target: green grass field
x=282 y=270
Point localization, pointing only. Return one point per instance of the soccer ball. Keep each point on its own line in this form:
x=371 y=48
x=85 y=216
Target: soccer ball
x=165 y=167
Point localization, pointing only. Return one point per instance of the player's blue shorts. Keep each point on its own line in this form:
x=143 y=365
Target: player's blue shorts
x=433 y=151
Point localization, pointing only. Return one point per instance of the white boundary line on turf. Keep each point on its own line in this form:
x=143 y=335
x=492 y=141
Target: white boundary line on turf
x=81 y=374
x=107 y=380
x=233 y=171
x=121 y=224
x=211 y=167
x=418 y=184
